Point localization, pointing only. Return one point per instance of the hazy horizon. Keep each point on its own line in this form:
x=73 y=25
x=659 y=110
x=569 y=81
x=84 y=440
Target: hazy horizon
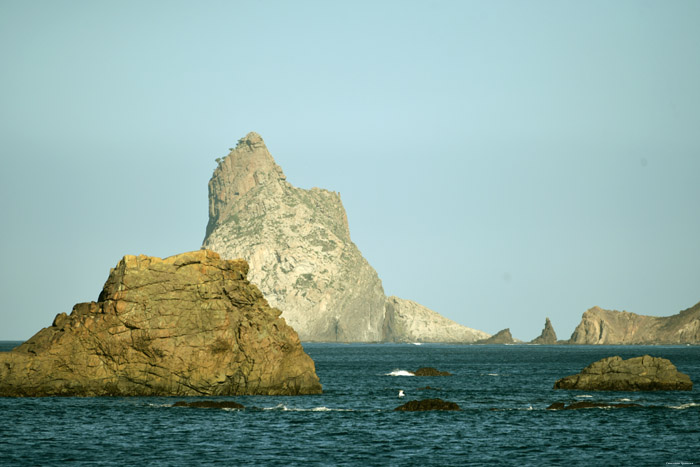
x=499 y=162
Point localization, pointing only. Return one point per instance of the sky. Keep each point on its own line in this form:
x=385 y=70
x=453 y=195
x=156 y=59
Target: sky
x=500 y=161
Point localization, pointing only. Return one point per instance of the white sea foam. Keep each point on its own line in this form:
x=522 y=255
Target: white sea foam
x=284 y=408
x=417 y=343
x=493 y=374
x=584 y=396
x=624 y=399
x=684 y=406
x=400 y=373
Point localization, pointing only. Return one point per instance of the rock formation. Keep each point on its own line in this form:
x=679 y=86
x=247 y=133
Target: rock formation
x=430 y=371
x=298 y=245
x=501 y=337
x=635 y=374
x=427 y=404
x=600 y=326
x=548 y=336
x=187 y=325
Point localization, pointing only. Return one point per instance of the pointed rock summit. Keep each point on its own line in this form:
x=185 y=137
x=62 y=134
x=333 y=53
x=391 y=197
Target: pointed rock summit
x=298 y=245
x=548 y=336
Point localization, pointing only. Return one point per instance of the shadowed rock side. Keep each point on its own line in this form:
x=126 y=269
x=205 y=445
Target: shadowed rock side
x=608 y=327
x=298 y=245
x=501 y=337
x=188 y=325
x=427 y=404
x=548 y=336
x=635 y=374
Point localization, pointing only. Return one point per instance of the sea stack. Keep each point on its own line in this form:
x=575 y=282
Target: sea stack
x=187 y=325
x=501 y=337
x=610 y=327
x=548 y=336
x=298 y=245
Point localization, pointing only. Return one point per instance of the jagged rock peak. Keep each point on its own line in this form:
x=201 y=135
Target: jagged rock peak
x=301 y=256
x=548 y=336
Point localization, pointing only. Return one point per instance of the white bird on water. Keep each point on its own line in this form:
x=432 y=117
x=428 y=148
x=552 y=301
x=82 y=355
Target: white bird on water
x=401 y=394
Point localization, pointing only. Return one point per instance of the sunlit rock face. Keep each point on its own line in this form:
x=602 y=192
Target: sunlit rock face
x=298 y=245
x=599 y=326
x=186 y=325
x=548 y=336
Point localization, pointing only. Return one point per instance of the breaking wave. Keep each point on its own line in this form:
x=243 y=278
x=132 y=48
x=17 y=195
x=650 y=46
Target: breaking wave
x=400 y=373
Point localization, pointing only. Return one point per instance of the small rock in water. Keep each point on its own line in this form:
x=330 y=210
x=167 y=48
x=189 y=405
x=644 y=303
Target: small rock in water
x=429 y=371
x=210 y=404
x=427 y=404
x=588 y=405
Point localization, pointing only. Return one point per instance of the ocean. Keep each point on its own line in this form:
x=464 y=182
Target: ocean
x=503 y=392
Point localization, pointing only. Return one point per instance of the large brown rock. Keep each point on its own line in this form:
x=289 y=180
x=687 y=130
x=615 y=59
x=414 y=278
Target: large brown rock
x=635 y=374
x=190 y=324
x=501 y=337
x=606 y=327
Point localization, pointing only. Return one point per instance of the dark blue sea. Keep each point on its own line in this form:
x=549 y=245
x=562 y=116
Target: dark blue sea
x=503 y=391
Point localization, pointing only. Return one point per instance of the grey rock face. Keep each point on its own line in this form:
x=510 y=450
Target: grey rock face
x=599 y=326
x=635 y=374
x=548 y=336
x=298 y=245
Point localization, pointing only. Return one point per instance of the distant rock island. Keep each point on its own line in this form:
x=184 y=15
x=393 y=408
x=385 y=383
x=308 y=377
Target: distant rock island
x=501 y=337
x=548 y=336
x=187 y=325
x=609 y=327
x=298 y=245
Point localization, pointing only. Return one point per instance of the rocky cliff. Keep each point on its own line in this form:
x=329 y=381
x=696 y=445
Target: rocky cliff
x=600 y=326
x=548 y=336
x=298 y=245
x=189 y=325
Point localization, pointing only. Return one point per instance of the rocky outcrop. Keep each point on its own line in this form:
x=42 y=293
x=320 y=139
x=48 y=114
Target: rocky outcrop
x=408 y=321
x=427 y=404
x=430 y=371
x=548 y=336
x=302 y=257
x=635 y=374
x=188 y=325
x=599 y=326
x=501 y=337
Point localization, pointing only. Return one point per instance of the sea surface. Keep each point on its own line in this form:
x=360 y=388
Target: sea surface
x=503 y=392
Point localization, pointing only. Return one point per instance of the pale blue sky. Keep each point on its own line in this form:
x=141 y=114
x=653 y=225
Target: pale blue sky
x=500 y=161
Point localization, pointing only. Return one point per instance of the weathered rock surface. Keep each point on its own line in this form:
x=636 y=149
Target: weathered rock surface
x=209 y=404
x=590 y=405
x=430 y=371
x=501 y=337
x=599 y=326
x=427 y=404
x=188 y=325
x=548 y=336
x=298 y=245
x=408 y=321
x=635 y=374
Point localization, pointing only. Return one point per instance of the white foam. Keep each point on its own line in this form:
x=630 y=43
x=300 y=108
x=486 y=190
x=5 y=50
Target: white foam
x=400 y=373
x=684 y=406
x=624 y=399
x=493 y=374
x=417 y=343
x=584 y=396
x=284 y=408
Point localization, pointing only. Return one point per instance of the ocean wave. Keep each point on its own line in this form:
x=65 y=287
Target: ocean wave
x=584 y=396
x=684 y=406
x=400 y=373
x=624 y=399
